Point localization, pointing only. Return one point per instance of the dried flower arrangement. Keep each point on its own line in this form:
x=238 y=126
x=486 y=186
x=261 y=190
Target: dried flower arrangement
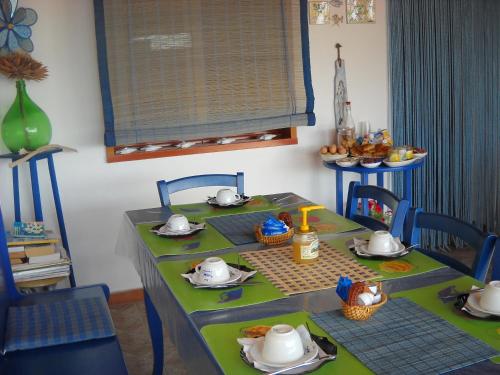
x=22 y=66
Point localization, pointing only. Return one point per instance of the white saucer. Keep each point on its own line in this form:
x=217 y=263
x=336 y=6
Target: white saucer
x=397 y=248
x=311 y=351
x=420 y=156
x=234 y=276
x=213 y=202
x=193 y=228
x=398 y=163
x=332 y=157
x=474 y=299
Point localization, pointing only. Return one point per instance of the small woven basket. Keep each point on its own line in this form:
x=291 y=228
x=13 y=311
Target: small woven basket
x=356 y=312
x=279 y=239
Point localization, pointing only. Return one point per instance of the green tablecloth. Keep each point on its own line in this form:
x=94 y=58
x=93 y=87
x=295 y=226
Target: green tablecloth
x=221 y=339
x=412 y=264
x=204 y=241
x=325 y=221
x=427 y=297
x=197 y=211
x=192 y=299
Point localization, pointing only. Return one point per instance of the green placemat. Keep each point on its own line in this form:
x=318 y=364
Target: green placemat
x=412 y=264
x=192 y=299
x=325 y=221
x=203 y=210
x=221 y=339
x=206 y=240
x=427 y=297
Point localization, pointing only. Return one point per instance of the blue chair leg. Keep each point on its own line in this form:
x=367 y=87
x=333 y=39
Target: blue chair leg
x=156 y=333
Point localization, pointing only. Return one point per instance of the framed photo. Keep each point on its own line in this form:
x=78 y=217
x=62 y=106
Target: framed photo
x=360 y=11
x=320 y=12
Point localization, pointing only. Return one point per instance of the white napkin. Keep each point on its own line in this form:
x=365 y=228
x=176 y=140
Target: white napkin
x=232 y=271
x=247 y=344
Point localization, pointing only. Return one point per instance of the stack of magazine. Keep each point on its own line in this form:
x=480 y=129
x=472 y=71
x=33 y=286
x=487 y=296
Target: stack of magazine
x=37 y=257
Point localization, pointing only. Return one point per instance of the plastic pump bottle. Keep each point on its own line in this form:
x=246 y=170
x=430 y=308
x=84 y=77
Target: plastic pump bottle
x=305 y=241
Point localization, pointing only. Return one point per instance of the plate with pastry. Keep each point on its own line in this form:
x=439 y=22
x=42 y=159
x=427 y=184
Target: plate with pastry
x=348 y=162
x=371 y=162
x=419 y=153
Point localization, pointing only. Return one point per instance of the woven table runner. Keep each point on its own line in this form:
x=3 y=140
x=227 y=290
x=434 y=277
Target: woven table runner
x=277 y=266
x=239 y=229
x=203 y=210
x=404 y=338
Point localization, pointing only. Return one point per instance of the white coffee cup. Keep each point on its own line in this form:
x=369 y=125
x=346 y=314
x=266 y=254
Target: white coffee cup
x=212 y=270
x=381 y=241
x=282 y=344
x=177 y=223
x=227 y=196
x=490 y=297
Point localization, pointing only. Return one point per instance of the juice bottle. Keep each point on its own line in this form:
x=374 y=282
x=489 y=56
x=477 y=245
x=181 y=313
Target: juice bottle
x=305 y=242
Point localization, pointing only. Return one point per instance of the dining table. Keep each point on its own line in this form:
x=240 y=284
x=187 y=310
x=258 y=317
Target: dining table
x=204 y=324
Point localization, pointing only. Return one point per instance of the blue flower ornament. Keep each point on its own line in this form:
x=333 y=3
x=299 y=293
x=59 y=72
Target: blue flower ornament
x=15 y=27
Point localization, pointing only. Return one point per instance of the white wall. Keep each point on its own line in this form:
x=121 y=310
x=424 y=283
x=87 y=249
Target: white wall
x=95 y=194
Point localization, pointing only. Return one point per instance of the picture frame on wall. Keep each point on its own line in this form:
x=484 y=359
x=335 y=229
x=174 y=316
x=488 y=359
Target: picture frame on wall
x=320 y=12
x=360 y=11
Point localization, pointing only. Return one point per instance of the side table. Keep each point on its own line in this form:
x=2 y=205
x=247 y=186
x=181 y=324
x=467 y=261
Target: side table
x=365 y=172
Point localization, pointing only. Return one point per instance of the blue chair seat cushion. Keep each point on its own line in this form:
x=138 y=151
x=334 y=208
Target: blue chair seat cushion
x=56 y=323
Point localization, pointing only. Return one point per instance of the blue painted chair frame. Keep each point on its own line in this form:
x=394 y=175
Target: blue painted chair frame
x=165 y=188
x=398 y=206
x=483 y=243
x=87 y=357
x=495 y=275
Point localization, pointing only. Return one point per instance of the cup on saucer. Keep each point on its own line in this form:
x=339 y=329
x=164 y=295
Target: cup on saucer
x=227 y=196
x=212 y=270
x=490 y=297
x=282 y=344
x=177 y=223
x=381 y=242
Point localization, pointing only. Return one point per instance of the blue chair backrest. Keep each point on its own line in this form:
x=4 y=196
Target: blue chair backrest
x=496 y=261
x=165 y=188
x=482 y=243
x=398 y=206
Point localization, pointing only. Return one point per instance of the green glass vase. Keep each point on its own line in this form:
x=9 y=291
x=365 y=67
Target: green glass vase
x=25 y=125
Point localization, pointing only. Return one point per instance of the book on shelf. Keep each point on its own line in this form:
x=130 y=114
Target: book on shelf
x=16 y=261
x=44 y=259
x=23 y=241
x=42 y=273
x=39 y=250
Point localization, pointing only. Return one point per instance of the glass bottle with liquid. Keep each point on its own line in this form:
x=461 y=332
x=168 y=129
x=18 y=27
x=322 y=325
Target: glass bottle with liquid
x=347 y=128
x=305 y=242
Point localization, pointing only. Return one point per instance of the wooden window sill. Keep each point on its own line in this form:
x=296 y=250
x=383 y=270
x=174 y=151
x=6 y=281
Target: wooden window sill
x=283 y=137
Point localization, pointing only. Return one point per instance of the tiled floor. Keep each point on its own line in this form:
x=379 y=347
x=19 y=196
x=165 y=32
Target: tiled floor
x=132 y=329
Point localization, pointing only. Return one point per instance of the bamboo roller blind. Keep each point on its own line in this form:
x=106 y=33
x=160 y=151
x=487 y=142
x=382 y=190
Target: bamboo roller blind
x=178 y=70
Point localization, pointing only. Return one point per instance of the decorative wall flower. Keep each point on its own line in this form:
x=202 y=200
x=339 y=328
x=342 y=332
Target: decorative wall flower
x=15 y=27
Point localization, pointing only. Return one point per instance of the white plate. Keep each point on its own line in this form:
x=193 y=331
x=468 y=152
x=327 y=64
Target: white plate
x=332 y=157
x=398 y=163
x=234 y=276
x=419 y=156
x=311 y=351
x=474 y=299
x=397 y=247
x=370 y=165
x=347 y=162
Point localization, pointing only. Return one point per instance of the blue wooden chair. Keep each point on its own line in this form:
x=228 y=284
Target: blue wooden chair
x=165 y=188
x=495 y=275
x=398 y=206
x=49 y=354
x=482 y=243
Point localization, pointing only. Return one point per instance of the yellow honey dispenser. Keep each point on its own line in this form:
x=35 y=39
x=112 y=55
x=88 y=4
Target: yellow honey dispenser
x=305 y=243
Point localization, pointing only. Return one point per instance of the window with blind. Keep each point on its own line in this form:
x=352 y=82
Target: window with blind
x=174 y=71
